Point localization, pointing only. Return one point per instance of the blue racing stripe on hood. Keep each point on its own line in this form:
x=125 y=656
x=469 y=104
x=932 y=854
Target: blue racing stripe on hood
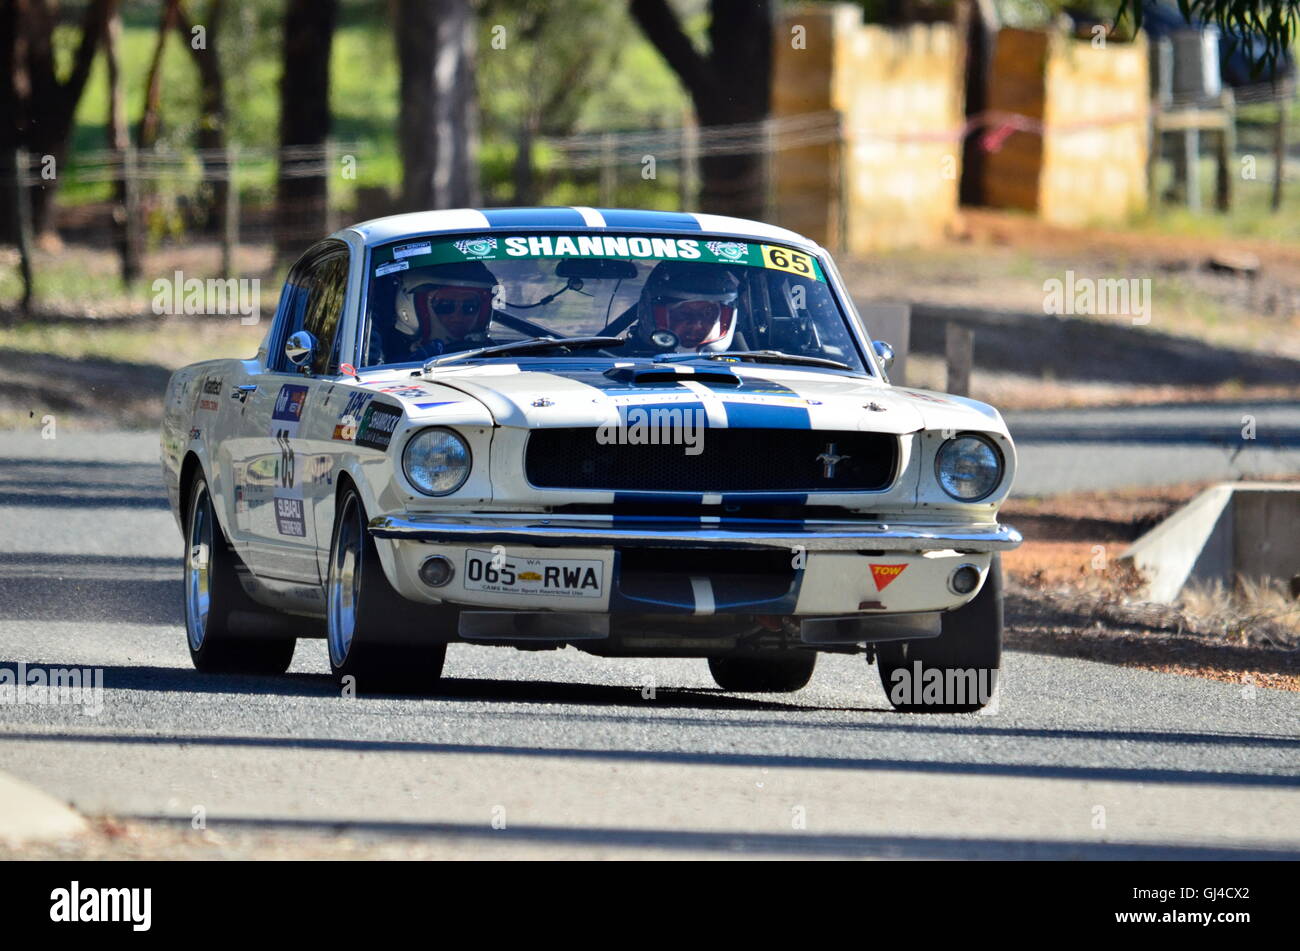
x=760 y=415
x=535 y=218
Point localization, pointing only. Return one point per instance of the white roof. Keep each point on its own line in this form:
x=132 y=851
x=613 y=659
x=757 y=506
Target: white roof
x=382 y=230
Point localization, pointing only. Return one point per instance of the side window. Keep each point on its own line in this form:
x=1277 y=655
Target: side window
x=315 y=292
x=325 y=310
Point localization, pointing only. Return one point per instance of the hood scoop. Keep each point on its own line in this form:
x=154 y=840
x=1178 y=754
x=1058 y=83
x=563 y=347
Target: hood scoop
x=659 y=374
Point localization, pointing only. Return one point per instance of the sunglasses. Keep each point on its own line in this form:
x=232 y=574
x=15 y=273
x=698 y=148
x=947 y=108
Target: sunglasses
x=469 y=306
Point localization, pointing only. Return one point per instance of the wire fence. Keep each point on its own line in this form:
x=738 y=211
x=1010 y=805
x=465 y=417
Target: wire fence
x=231 y=193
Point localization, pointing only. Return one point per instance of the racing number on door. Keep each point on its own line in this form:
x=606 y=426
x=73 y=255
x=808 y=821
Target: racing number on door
x=783 y=259
x=286 y=458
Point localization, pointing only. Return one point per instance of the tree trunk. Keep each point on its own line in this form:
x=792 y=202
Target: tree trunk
x=303 y=188
x=438 y=125
x=731 y=84
x=211 y=138
x=48 y=105
x=125 y=226
x=150 y=118
x=10 y=121
x=525 y=174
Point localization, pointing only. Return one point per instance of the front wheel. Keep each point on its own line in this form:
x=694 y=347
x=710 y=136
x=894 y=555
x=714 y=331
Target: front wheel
x=366 y=616
x=957 y=671
x=763 y=673
x=214 y=601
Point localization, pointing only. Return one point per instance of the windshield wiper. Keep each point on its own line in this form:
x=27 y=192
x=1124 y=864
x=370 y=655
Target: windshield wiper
x=521 y=346
x=766 y=356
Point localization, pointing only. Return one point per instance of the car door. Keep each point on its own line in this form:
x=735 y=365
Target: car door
x=275 y=476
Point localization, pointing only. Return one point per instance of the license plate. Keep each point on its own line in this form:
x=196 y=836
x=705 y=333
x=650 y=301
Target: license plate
x=561 y=577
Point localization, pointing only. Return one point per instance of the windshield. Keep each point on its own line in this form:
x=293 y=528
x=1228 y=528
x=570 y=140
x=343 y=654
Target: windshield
x=659 y=295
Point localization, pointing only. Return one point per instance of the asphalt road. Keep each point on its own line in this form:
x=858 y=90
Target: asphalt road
x=563 y=754
x=1099 y=449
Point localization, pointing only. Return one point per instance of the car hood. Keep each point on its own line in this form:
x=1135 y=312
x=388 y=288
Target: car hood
x=737 y=396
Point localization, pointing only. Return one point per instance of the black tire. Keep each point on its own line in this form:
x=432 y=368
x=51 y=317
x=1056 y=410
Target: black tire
x=971 y=640
x=757 y=672
x=367 y=660
x=219 y=641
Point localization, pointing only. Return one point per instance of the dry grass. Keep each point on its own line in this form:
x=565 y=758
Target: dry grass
x=1069 y=594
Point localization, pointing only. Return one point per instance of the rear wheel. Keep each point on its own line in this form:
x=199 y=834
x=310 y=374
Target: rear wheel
x=366 y=615
x=214 y=601
x=957 y=671
x=757 y=672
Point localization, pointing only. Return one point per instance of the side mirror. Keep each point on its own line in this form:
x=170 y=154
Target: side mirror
x=884 y=353
x=300 y=348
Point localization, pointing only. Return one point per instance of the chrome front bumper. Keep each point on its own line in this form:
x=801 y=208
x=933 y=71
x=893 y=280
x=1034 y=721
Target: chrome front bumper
x=569 y=531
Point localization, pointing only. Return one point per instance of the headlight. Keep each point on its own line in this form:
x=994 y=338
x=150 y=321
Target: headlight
x=968 y=467
x=436 y=461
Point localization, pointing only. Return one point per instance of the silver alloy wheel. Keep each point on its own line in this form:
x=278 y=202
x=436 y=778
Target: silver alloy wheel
x=198 y=563
x=345 y=581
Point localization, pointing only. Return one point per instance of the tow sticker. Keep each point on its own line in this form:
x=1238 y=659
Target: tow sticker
x=885 y=575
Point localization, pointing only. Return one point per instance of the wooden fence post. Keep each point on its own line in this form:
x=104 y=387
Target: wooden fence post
x=688 y=179
x=608 y=171
x=1279 y=147
x=230 y=217
x=23 y=209
x=959 y=350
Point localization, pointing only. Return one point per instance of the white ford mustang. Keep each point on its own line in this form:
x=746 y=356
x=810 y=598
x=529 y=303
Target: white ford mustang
x=635 y=433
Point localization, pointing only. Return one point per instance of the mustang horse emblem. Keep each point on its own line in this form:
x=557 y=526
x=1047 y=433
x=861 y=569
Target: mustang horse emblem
x=829 y=460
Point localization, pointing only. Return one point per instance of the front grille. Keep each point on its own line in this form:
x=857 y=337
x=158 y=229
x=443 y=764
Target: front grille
x=731 y=460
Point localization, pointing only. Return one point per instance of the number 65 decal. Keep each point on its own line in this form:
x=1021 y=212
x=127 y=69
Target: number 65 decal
x=784 y=259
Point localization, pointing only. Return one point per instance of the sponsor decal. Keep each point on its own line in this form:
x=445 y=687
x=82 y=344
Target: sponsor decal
x=915 y=394
x=730 y=250
x=885 y=575
x=601 y=246
x=211 y=387
x=785 y=259
x=597 y=245
x=345 y=429
x=408 y=250
x=289 y=518
x=432 y=405
x=470 y=247
x=407 y=391
x=289 y=404
x=377 y=425
x=285 y=420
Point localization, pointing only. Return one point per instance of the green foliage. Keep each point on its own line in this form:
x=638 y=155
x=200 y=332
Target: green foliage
x=585 y=66
x=1274 y=20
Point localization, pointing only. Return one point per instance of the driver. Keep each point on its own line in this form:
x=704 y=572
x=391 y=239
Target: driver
x=689 y=305
x=446 y=310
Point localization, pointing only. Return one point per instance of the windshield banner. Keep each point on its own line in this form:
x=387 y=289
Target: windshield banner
x=499 y=247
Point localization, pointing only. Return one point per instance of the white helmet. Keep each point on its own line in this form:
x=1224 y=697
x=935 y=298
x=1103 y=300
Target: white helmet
x=691 y=304
x=452 y=302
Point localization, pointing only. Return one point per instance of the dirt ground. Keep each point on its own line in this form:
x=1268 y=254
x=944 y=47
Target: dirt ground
x=1070 y=593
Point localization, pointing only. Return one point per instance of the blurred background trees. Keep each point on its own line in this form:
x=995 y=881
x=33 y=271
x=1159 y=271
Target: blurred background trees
x=273 y=121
